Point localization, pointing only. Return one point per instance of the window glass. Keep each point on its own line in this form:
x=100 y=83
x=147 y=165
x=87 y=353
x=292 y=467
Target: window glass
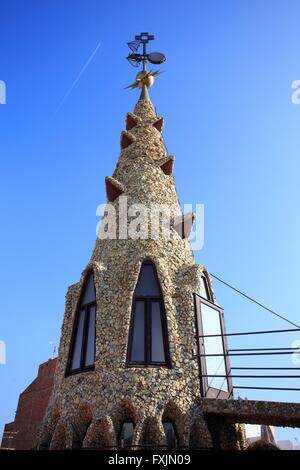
x=89 y=292
x=148 y=335
x=157 y=341
x=147 y=283
x=90 y=347
x=171 y=437
x=138 y=338
x=82 y=351
x=78 y=341
x=126 y=434
x=215 y=365
x=204 y=289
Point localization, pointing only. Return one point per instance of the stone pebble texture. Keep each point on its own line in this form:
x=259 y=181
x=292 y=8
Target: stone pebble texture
x=90 y=407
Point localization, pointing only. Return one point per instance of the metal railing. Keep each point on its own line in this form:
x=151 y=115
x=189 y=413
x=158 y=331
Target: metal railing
x=239 y=352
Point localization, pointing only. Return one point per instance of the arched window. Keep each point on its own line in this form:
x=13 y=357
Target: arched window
x=78 y=436
x=148 y=338
x=82 y=352
x=171 y=434
x=126 y=435
x=204 y=289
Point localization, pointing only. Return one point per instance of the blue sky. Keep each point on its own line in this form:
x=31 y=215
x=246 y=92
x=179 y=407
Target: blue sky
x=229 y=121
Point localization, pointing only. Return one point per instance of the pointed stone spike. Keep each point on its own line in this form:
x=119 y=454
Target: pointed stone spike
x=168 y=166
x=159 y=124
x=126 y=139
x=183 y=224
x=131 y=121
x=113 y=188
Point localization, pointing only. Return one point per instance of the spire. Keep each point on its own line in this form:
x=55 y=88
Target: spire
x=145 y=78
x=145 y=109
x=144 y=94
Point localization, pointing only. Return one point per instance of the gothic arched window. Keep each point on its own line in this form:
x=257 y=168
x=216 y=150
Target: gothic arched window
x=171 y=434
x=148 y=338
x=126 y=434
x=82 y=352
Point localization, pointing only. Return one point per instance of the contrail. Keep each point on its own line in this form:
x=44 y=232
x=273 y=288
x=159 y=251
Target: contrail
x=78 y=77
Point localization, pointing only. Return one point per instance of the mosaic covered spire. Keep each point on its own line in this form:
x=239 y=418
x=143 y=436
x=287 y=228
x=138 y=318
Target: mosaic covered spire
x=127 y=361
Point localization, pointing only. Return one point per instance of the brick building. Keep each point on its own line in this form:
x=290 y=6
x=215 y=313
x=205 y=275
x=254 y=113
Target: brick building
x=22 y=432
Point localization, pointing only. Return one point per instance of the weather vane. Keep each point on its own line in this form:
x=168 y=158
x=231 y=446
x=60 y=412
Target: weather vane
x=145 y=78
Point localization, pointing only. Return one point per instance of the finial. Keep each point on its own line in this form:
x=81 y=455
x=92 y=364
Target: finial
x=145 y=78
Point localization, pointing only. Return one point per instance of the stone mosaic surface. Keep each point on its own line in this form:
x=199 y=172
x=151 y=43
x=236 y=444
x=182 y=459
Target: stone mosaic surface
x=89 y=407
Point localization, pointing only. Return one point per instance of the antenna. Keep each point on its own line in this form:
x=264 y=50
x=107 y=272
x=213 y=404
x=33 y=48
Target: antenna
x=135 y=58
x=145 y=78
x=54 y=350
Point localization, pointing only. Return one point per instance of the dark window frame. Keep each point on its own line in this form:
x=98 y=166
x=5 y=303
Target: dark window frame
x=148 y=299
x=87 y=315
x=206 y=391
